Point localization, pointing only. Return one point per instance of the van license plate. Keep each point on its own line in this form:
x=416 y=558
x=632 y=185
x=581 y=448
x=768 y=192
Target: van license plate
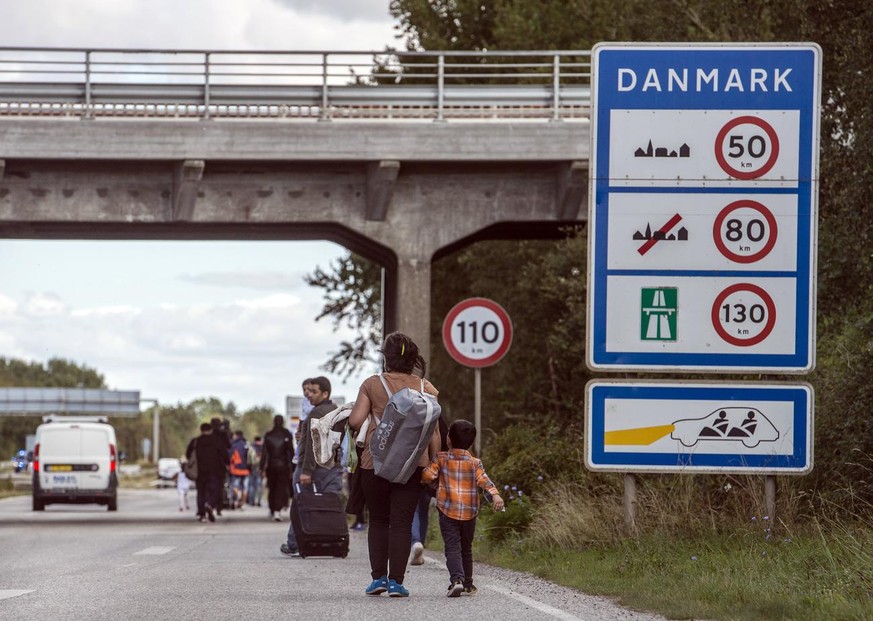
x=59 y=468
x=65 y=480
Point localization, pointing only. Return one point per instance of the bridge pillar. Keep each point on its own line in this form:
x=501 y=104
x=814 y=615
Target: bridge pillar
x=413 y=300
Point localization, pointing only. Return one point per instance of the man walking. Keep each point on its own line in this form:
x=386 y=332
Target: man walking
x=276 y=465
x=211 y=470
x=326 y=480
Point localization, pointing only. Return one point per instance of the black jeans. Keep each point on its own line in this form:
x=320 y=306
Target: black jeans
x=208 y=492
x=458 y=538
x=391 y=506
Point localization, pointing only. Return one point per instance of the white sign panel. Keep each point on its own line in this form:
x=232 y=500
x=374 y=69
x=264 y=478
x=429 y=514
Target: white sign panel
x=702 y=218
x=699 y=427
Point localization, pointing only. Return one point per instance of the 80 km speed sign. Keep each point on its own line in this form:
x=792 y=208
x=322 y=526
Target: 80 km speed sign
x=477 y=332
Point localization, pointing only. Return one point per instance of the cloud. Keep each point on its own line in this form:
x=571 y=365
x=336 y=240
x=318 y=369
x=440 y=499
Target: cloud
x=260 y=281
x=252 y=351
x=44 y=304
x=198 y=24
x=342 y=10
x=8 y=306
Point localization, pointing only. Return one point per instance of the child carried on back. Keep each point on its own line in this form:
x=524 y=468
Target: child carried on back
x=460 y=474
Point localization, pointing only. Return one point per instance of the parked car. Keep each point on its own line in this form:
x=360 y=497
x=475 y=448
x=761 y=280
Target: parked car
x=74 y=461
x=168 y=468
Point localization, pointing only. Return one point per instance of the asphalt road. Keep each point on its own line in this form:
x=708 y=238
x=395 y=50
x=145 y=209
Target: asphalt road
x=149 y=561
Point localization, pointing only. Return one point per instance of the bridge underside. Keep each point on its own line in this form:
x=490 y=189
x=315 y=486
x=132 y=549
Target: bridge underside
x=397 y=193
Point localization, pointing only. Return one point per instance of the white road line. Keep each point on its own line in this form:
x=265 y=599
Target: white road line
x=156 y=550
x=545 y=608
x=13 y=593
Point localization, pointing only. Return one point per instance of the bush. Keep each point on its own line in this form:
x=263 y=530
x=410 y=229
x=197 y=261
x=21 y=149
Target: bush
x=529 y=456
x=501 y=525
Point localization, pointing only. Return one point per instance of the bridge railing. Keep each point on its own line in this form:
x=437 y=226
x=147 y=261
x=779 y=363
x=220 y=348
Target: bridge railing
x=324 y=85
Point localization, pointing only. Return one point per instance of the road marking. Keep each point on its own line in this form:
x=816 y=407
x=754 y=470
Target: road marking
x=545 y=608
x=13 y=593
x=156 y=550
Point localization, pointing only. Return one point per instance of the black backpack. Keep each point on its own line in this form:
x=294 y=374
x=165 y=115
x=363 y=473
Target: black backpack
x=278 y=449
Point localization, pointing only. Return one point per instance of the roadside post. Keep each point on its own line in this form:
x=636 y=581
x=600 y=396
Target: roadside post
x=702 y=249
x=477 y=333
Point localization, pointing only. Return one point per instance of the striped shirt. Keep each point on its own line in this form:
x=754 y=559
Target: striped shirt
x=460 y=474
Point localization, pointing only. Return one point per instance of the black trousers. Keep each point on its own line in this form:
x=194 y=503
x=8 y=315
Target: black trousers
x=391 y=507
x=208 y=492
x=458 y=539
x=279 y=482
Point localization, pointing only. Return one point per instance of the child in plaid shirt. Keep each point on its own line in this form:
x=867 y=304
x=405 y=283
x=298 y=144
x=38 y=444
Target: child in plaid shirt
x=460 y=475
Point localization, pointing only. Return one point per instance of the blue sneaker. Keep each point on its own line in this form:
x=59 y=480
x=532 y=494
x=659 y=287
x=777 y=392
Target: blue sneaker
x=397 y=590
x=378 y=586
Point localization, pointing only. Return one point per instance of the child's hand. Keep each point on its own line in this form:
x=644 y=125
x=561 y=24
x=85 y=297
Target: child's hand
x=497 y=503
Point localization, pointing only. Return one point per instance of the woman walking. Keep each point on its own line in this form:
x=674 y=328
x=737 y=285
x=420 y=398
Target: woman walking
x=391 y=505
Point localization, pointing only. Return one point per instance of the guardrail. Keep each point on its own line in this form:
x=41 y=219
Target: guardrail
x=324 y=85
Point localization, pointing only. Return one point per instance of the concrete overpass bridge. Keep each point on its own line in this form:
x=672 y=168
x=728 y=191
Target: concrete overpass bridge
x=397 y=156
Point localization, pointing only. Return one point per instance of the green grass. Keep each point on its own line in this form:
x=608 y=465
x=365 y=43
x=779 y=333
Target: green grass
x=805 y=577
x=689 y=561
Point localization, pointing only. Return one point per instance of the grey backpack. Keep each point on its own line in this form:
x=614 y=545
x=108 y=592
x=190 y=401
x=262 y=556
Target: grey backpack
x=404 y=432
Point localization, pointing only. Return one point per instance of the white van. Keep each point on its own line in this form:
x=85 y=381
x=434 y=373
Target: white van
x=74 y=461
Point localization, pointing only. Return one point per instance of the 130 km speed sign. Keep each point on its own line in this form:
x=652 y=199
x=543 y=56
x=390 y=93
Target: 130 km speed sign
x=477 y=332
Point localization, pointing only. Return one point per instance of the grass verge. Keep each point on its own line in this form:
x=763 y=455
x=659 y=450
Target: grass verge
x=723 y=566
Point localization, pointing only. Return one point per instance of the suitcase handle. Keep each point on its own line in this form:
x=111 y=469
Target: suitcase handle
x=314 y=489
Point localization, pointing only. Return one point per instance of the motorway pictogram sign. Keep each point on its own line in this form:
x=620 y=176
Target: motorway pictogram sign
x=704 y=164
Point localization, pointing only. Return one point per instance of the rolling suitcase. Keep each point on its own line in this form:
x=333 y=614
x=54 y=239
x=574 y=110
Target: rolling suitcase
x=319 y=523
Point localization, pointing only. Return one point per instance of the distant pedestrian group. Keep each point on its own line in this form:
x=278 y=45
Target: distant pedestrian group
x=331 y=442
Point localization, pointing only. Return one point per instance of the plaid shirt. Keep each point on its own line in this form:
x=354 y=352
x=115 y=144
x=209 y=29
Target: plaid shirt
x=459 y=475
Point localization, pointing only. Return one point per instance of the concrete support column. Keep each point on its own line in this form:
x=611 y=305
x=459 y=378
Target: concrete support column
x=413 y=301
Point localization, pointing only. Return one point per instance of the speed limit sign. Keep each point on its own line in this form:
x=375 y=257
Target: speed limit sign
x=477 y=332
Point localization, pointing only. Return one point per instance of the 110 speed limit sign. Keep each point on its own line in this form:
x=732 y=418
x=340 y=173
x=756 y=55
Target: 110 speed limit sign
x=477 y=332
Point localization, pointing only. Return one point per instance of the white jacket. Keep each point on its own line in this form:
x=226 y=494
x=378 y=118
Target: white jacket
x=326 y=441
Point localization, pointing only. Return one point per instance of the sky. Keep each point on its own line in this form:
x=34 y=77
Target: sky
x=181 y=320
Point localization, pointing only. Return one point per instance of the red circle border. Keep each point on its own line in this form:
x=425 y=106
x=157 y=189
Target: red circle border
x=738 y=174
x=771 y=312
x=750 y=204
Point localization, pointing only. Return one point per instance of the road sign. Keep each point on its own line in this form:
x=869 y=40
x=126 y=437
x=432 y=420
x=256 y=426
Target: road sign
x=699 y=427
x=477 y=332
x=702 y=225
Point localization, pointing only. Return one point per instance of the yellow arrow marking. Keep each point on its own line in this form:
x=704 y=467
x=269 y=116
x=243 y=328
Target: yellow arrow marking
x=640 y=435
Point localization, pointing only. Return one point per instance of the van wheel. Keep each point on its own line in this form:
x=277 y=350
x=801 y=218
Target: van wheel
x=38 y=504
x=112 y=505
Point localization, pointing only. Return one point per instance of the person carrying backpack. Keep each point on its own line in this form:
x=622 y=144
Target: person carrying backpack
x=239 y=469
x=276 y=465
x=256 y=483
x=391 y=504
x=327 y=480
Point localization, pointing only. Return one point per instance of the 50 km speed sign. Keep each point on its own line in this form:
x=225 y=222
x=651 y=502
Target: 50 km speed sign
x=477 y=332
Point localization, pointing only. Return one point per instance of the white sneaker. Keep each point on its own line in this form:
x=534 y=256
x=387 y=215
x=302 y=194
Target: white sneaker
x=417 y=554
x=276 y=517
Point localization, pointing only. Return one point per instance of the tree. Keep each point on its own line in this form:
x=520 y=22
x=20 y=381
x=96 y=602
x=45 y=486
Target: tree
x=845 y=265
x=352 y=295
x=56 y=373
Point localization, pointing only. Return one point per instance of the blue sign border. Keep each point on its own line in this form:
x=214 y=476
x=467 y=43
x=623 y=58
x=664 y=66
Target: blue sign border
x=800 y=462
x=805 y=64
